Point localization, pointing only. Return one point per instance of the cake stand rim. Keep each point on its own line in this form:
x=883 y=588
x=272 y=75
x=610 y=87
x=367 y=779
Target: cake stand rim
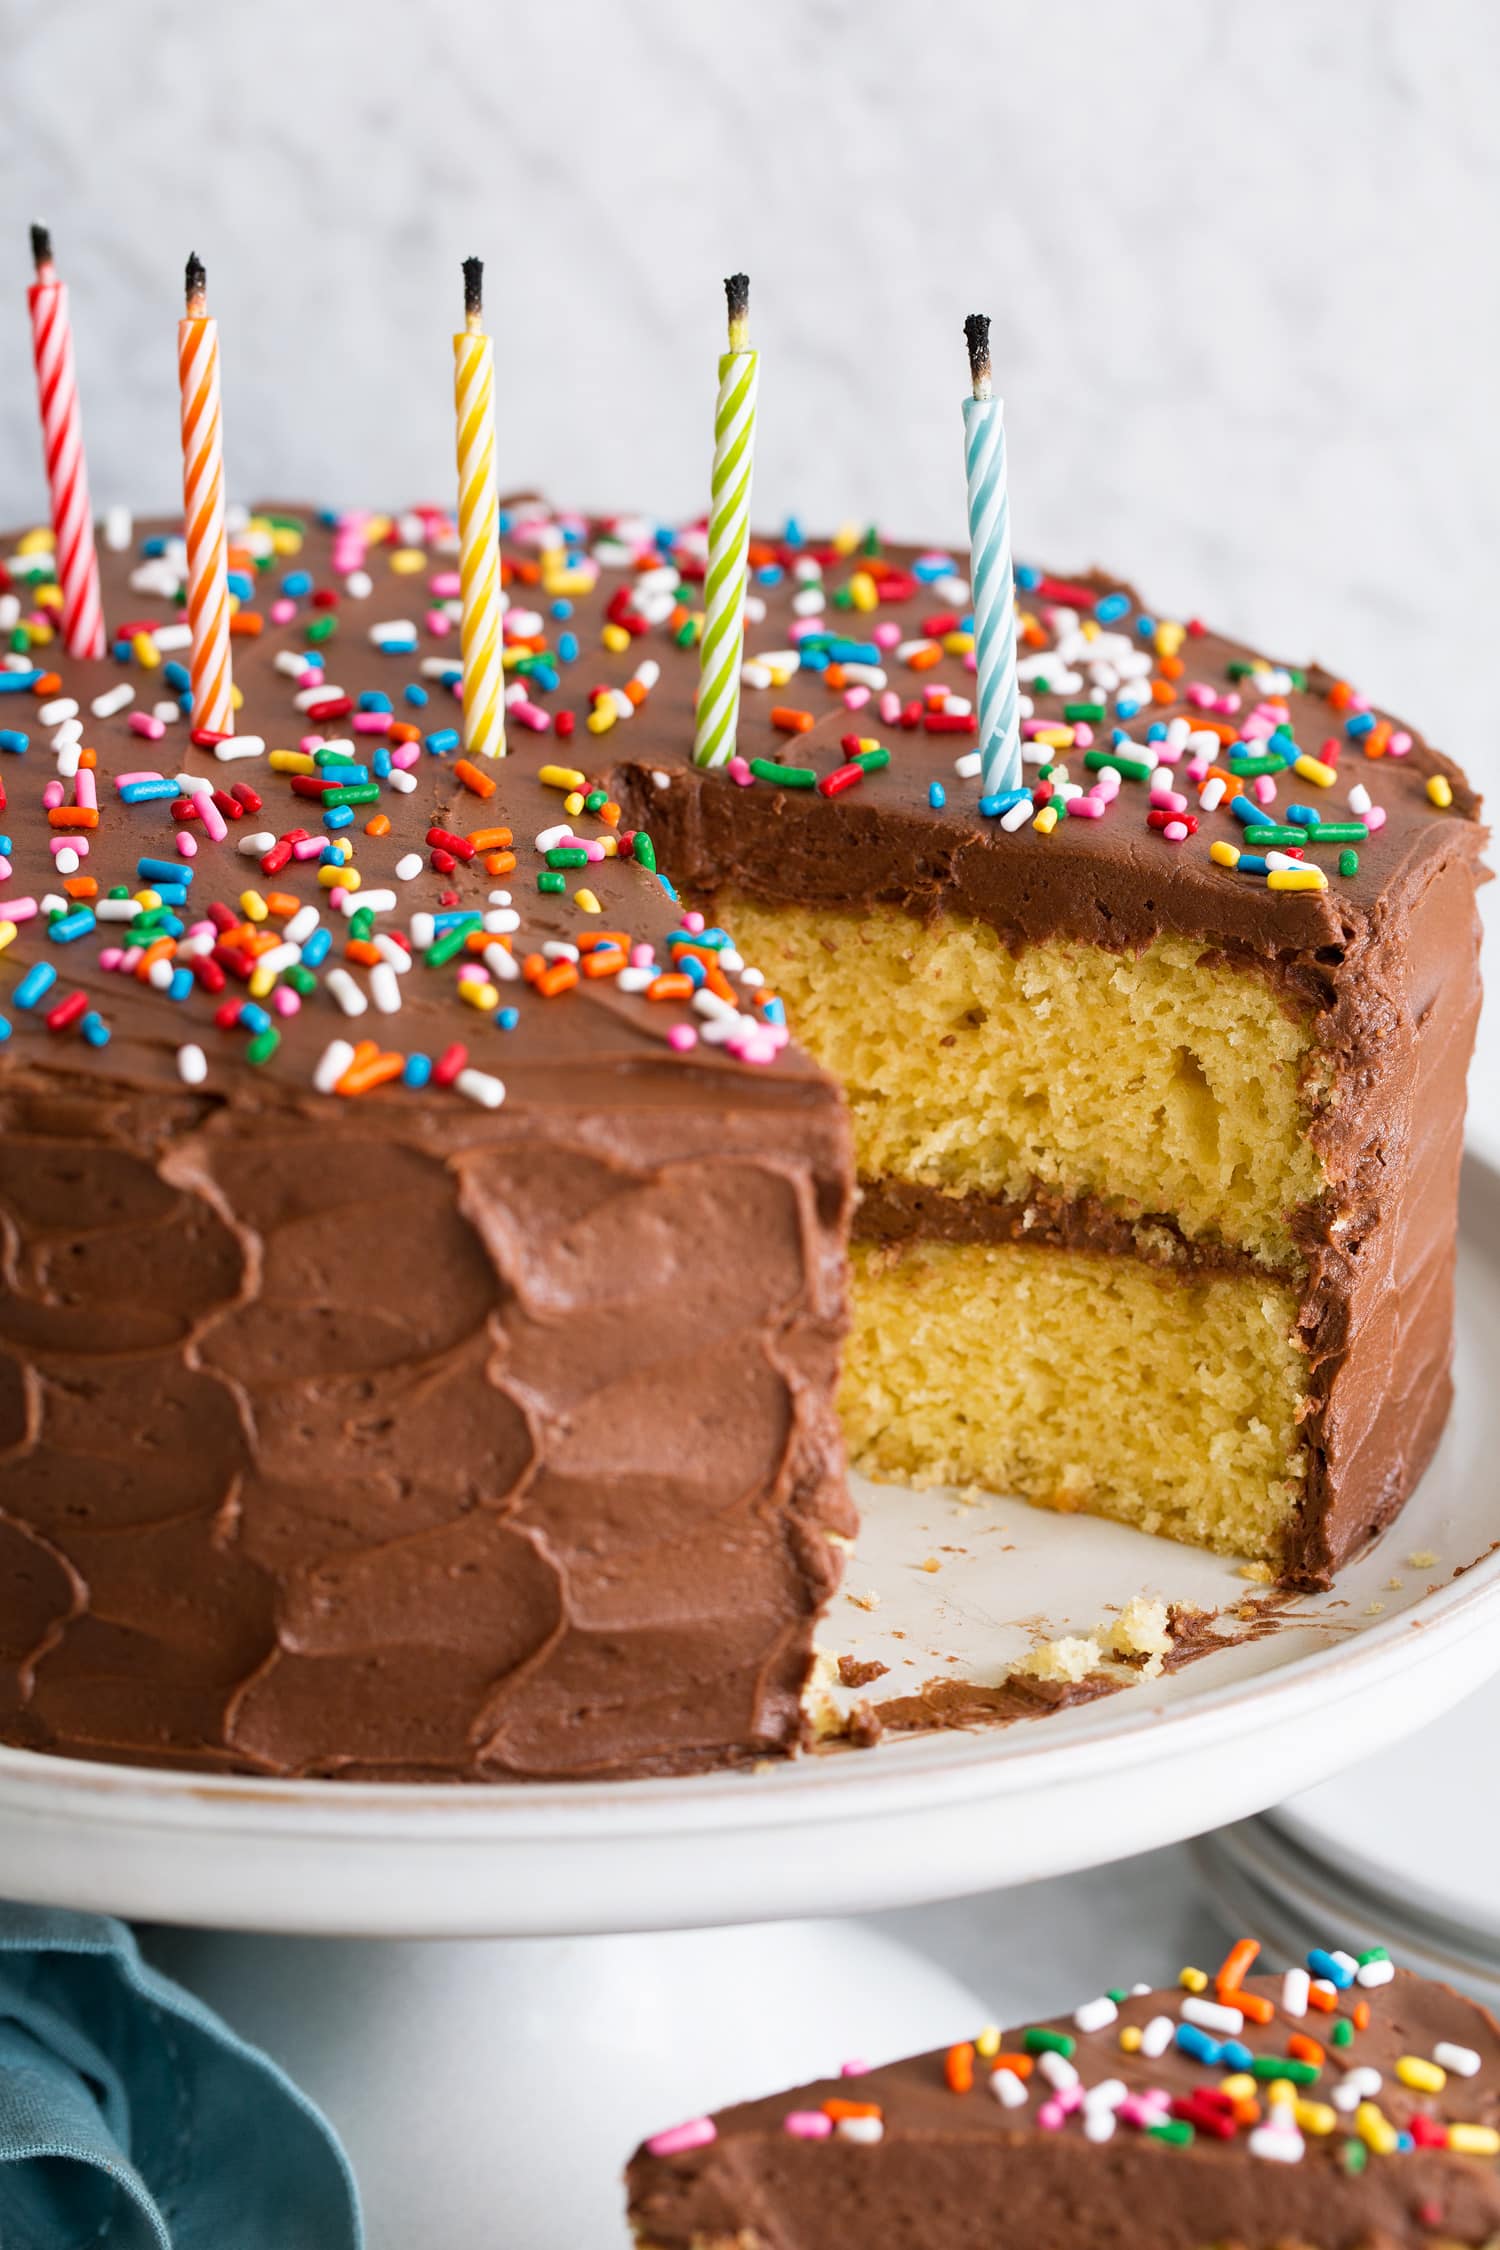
x=969 y=1766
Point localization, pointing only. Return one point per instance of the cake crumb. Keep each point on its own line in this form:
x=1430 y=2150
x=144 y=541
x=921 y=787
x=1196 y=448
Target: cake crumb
x=869 y=1600
x=1374 y=1609
x=1142 y=1629
x=1070 y=1659
x=930 y=1564
x=1258 y=1573
x=1394 y=1585
x=1422 y=1558
x=859 y=1671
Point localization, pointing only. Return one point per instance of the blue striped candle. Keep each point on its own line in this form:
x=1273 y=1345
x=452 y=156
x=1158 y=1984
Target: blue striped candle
x=991 y=572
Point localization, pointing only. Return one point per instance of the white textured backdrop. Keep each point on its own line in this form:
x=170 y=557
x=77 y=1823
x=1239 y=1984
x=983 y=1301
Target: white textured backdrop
x=1241 y=256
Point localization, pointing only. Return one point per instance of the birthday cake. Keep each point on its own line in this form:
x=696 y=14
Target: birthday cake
x=1343 y=2106
x=427 y=1257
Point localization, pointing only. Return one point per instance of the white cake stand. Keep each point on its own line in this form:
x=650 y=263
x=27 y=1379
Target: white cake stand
x=490 y=2093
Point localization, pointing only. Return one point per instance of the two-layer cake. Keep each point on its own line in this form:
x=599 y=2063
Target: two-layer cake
x=425 y=1268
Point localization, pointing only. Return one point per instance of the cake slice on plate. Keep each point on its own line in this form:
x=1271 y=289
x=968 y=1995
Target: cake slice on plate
x=1343 y=2106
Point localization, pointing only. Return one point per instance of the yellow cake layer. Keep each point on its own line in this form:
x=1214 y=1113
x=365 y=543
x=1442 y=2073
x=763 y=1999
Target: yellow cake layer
x=1152 y=1080
x=1083 y=1382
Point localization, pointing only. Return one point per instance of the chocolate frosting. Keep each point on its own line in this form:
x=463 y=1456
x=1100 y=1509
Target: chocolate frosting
x=956 y=2167
x=396 y=1435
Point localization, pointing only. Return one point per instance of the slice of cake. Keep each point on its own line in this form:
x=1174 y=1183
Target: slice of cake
x=1344 y=2106
x=424 y=1269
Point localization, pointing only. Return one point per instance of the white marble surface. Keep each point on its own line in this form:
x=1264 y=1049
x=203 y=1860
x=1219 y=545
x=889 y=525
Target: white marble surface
x=1246 y=341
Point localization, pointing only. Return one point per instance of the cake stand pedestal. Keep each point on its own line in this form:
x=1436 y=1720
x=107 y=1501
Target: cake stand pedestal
x=489 y=2093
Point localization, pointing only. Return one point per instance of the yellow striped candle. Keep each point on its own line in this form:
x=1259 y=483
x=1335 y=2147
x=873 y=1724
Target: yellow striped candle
x=203 y=510
x=479 y=525
x=722 y=648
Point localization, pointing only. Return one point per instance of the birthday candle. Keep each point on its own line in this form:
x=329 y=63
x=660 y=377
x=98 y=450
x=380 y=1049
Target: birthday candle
x=991 y=573
x=203 y=509
x=62 y=443
x=721 y=650
x=479 y=525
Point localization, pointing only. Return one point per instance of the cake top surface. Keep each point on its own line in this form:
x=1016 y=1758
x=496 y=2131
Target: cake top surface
x=337 y=898
x=1348 y=2072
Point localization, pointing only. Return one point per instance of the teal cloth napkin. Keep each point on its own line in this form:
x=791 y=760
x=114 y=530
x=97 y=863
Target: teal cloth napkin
x=131 y=2118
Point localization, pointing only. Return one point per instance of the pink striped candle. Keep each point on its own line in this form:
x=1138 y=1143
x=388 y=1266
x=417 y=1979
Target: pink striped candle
x=62 y=444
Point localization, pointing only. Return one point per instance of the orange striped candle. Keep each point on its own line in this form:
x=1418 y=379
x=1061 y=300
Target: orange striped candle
x=203 y=510
x=479 y=525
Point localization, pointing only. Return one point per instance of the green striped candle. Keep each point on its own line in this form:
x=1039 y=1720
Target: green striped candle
x=722 y=647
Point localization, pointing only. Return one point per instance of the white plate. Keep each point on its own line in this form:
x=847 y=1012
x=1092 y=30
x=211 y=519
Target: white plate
x=1262 y=1886
x=914 y=1819
x=1419 y=1823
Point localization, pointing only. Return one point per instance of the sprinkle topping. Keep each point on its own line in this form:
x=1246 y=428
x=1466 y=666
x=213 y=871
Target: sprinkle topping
x=267 y=872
